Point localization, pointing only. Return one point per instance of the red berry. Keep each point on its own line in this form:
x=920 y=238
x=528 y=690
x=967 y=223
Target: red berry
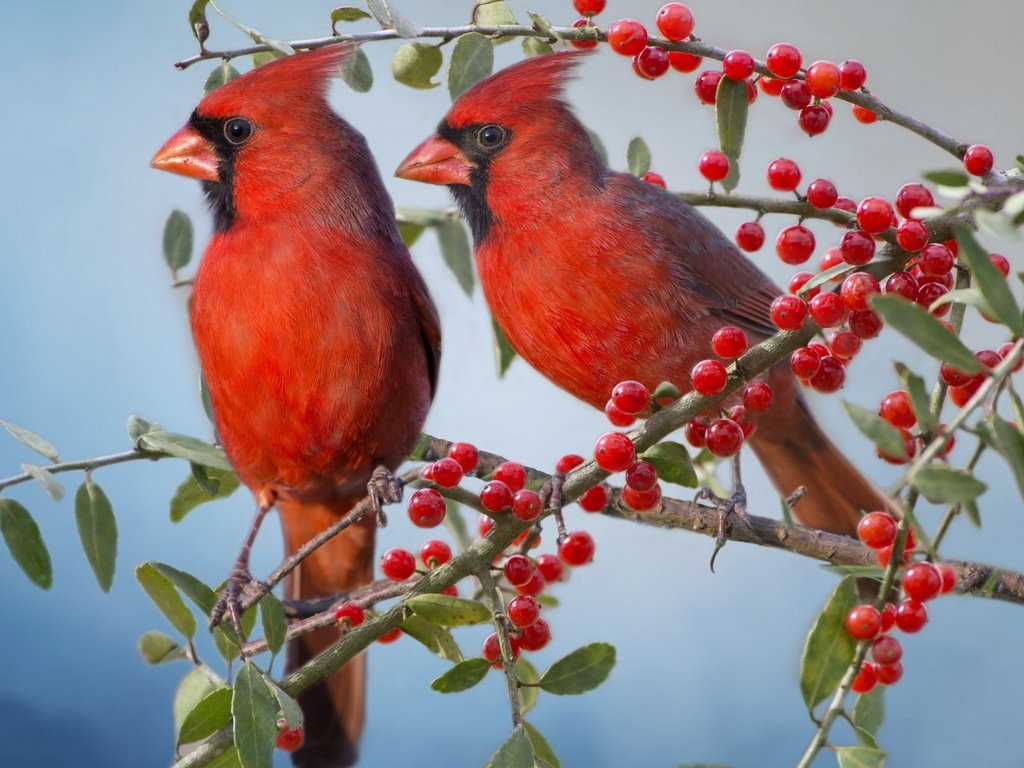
x=948 y=574
x=651 y=62
x=877 y=530
x=675 y=21
x=822 y=194
x=713 y=165
x=684 y=62
x=856 y=288
x=783 y=60
x=795 y=94
x=896 y=409
x=912 y=235
x=794 y=244
x=827 y=309
x=740 y=415
x=831 y=375
x=535 y=636
x=523 y=610
x=844 y=203
x=576 y=549
x=492 y=649
x=447 y=473
x=289 y=739
x=865 y=680
x=799 y=280
x=911 y=616
x=888 y=617
x=594 y=500
x=814 y=119
x=582 y=44
x=864 y=622
x=889 y=674
x=902 y=284
x=427 y=508
x=709 y=377
x=724 y=437
x=852 y=75
x=484 y=524
x=465 y=454
x=641 y=500
x=614 y=452
x=952 y=377
x=729 y=342
x=783 y=175
x=654 y=178
x=495 y=496
x=863 y=114
x=642 y=476
x=757 y=397
x=534 y=585
x=978 y=160
x=844 y=345
x=928 y=294
x=886 y=650
x=518 y=570
x=397 y=564
x=961 y=395
x=909 y=448
x=935 y=260
x=526 y=505
x=864 y=325
x=588 y=7
x=568 y=462
x=696 y=433
x=922 y=582
x=771 y=86
x=856 y=247
x=616 y=416
x=738 y=65
x=750 y=236
x=512 y=474
x=706 y=85
x=550 y=567
x=390 y=637
x=1001 y=263
x=627 y=36
x=434 y=552
x=789 y=312
x=874 y=215
x=823 y=79
x=913 y=196
x=349 y=614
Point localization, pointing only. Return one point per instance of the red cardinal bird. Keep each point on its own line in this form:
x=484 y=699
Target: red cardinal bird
x=316 y=334
x=597 y=277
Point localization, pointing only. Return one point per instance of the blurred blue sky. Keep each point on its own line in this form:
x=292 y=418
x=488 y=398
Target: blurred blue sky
x=92 y=333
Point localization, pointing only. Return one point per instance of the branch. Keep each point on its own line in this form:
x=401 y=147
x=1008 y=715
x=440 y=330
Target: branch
x=88 y=465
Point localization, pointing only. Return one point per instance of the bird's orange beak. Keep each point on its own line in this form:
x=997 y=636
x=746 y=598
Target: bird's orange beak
x=187 y=153
x=436 y=161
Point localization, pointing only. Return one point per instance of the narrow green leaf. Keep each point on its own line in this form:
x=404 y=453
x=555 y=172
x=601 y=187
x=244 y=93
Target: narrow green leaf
x=541 y=24
x=455 y=250
x=210 y=485
x=178 y=237
x=357 y=72
x=1010 y=444
x=493 y=13
x=665 y=389
x=786 y=511
x=97 y=530
x=210 y=714
x=414 y=64
x=544 y=756
x=945 y=484
x=638 y=156
x=289 y=707
x=869 y=711
x=32 y=440
x=409 y=233
x=582 y=670
x=438 y=640
x=926 y=331
x=265 y=57
x=254 y=717
x=516 y=752
x=227 y=759
x=1013 y=206
x=829 y=650
x=138 y=426
x=472 y=60
x=189 y=585
x=275 y=625
x=197 y=21
x=53 y=487
x=426 y=217
x=226 y=640
x=185 y=447
x=224 y=73
x=920 y=401
x=190 y=494
x=947 y=178
x=21 y=534
x=877 y=430
x=448 y=611
x=197 y=684
x=462 y=676
x=598 y=146
x=504 y=354
x=528 y=694
x=990 y=281
x=860 y=571
x=866 y=738
x=346 y=13
x=162 y=592
x=389 y=17
x=533 y=46
x=157 y=648
x=995 y=224
x=673 y=463
x=731 y=120
x=970 y=509
x=860 y=757
x=830 y=274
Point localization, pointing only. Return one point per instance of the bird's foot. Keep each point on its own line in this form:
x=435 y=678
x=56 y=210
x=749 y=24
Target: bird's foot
x=240 y=587
x=551 y=496
x=384 y=487
x=734 y=506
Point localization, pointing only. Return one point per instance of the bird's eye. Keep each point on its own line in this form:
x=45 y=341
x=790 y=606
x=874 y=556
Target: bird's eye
x=237 y=130
x=490 y=136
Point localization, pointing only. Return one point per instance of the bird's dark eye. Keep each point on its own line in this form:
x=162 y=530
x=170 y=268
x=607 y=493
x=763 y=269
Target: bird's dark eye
x=490 y=136
x=237 y=130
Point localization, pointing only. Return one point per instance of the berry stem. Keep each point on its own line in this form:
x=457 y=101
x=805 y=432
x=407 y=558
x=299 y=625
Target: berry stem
x=954 y=509
x=497 y=605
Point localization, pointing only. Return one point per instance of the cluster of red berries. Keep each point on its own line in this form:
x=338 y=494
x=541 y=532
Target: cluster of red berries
x=614 y=452
x=922 y=581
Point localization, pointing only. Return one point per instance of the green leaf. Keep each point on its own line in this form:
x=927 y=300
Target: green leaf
x=178 y=238
x=830 y=274
x=516 y=752
x=860 y=757
x=582 y=670
x=504 y=354
x=533 y=46
x=731 y=119
x=544 y=756
x=638 y=156
x=1013 y=206
x=945 y=484
x=1010 y=444
x=389 y=17
x=265 y=57
x=947 y=178
x=673 y=463
x=414 y=64
x=197 y=21
x=32 y=440
x=877 y=430
x=21 y=534
x=189 y=585
x=346 y=13
x=493 y=13
x=829 y=650
x=97 y=529
x=185 y=447
x=528 y=694
x=541 y=24
x=138 y=426
x=995 y=224
x=290 y=710
x=409 y=233
x=254 y=716
x=157 y=648
x=462 y=676
x=209 y=715
x=455 y=250
x=860 y=571
x=990 y=281
x=224 y=73
x=786 y=511
x=357 y=72
x=162 y=592
x=448 y=611
x=53 y=487
x=226 y=759
x=598 y=146
x=926 y=331
x=920 y=401
x=970 y=508
x=197 y=684
x=275 y=625
x=438 y=640
x=665 y=389
x=869 y=711
x=226 y=640
x=472 y=60
x=190 y=494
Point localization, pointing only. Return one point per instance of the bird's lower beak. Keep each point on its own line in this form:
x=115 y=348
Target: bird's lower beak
x=188 y=153
x=436 y=161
